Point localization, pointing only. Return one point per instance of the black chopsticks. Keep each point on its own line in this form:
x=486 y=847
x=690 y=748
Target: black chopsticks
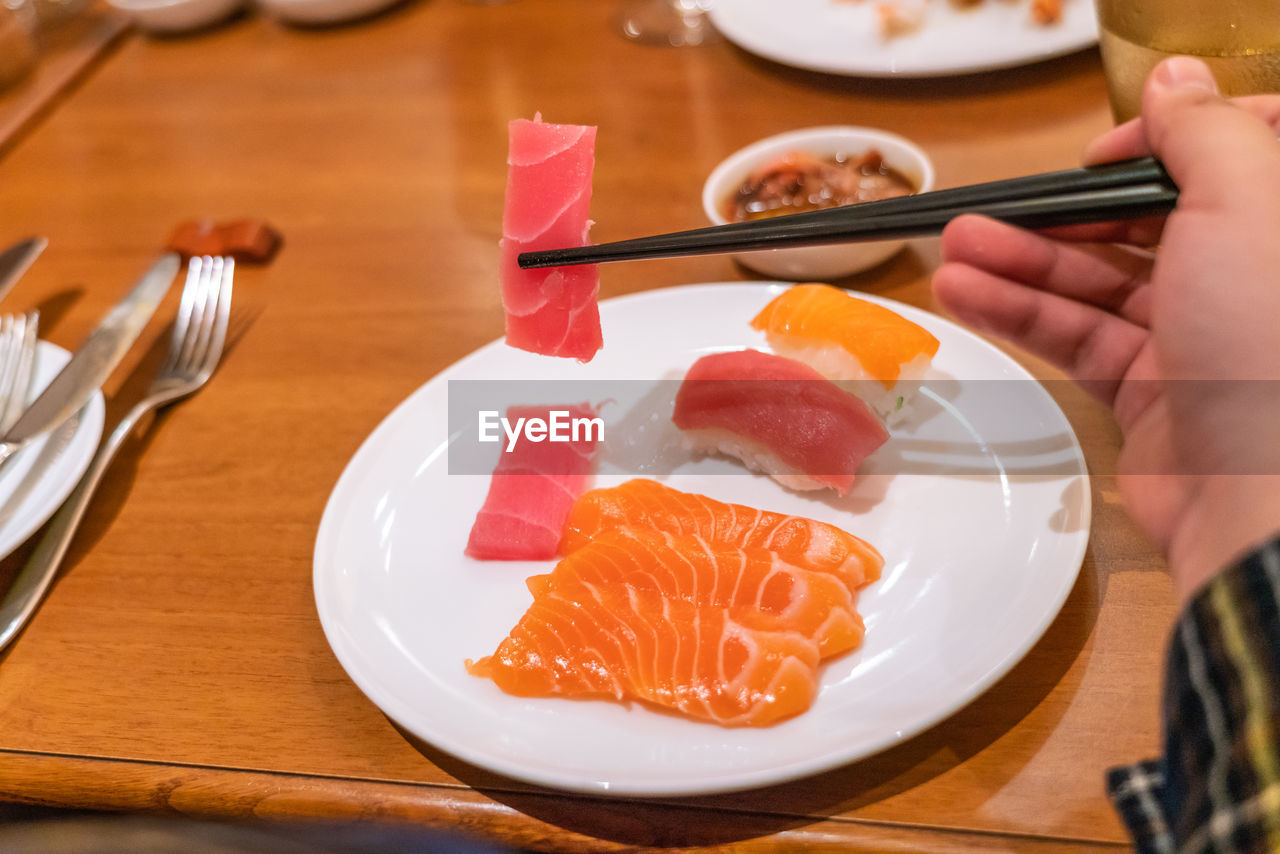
x=1123 y=190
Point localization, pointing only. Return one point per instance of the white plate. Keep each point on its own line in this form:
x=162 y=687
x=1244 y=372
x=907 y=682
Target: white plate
x=843 y=36
x=177 y=16
x=35 y=482
x=977 y=566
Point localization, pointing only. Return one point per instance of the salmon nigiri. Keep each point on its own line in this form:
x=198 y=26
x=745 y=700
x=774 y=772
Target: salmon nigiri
x=649 y=505
x=719 y=633
x=847 y=339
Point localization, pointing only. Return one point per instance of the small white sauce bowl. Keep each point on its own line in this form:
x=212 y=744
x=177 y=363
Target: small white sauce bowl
x=177 y=16
x=835 y=260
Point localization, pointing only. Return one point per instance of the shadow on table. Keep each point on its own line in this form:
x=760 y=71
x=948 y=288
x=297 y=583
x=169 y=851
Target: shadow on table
x=721 y=819
x=55 y=306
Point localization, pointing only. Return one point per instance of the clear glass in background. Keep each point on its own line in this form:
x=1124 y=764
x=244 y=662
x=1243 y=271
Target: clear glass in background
x=1238 y=39
x=677 y=23
x=17 y=41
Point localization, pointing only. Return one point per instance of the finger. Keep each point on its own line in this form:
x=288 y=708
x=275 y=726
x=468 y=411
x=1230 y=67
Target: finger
x=1265 y=107
x=1109 y=277
x=1145 y=232
x=1222 y=157
x=1142 y=387
x=1093 y=346
x=1120 y=143
x=1130 y=139
x=1220 y=239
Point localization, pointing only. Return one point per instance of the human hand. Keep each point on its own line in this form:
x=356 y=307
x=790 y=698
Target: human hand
x=1183 y=342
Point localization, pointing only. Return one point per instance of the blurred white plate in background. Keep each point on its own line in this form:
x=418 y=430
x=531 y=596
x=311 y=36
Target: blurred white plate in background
x=844 y=36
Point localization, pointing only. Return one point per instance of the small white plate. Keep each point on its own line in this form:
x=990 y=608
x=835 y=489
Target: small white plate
x=36 y=480
x=843 y=36
x=977 y=565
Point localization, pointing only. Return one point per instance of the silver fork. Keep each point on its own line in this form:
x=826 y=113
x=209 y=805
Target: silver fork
x=199 y=332
x=19 y=337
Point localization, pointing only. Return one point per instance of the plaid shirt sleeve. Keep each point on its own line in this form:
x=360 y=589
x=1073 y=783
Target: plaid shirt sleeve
x=1217 y=787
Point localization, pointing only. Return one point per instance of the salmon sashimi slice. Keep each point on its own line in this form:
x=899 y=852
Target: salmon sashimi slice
x=760 y=589
x=778 y=416
x=647 y=504
x=532 y=490
x=552 y=311
x=845 y=338
x=598 y=627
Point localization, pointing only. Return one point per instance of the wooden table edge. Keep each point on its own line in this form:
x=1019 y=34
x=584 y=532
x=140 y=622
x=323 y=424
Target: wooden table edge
x=508 y=816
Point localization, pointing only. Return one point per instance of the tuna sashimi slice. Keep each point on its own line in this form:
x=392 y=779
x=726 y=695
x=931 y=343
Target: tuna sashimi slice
x=551 y=311
x=532 y=491
x=647 y=504
x=779 y=416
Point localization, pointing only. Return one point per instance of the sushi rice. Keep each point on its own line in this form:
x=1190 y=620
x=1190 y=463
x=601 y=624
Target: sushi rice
x=756 y=456
x=890 y=400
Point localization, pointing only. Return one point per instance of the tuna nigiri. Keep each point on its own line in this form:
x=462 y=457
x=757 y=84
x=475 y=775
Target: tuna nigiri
x=648 y=505
x=532 y=491
x=552 y=311
x=778 y=416
x=849 y=339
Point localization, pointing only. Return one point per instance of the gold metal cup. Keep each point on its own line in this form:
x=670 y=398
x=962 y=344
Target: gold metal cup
x=1238 y=39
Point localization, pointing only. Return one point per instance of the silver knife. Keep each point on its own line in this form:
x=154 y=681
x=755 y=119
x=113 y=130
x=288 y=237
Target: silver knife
x=15 y=260
x=94 y=361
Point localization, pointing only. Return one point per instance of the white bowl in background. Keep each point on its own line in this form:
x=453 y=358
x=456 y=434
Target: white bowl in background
x=831 y=261
x=177 y=16
x=321 y=12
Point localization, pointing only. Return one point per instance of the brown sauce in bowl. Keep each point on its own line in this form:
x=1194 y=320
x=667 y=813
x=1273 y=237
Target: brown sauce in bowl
x=802 y=181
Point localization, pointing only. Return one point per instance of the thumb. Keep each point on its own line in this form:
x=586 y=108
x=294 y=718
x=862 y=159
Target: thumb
x=1218 y=153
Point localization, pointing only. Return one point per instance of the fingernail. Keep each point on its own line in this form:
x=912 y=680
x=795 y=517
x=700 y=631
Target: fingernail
x=1184 y=72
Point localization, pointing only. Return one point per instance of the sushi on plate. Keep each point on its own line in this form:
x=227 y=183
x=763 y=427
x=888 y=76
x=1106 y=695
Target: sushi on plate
x=625 y=641
x=648 y=505
x=871 y=350
x=778 y=416
x=717 y=611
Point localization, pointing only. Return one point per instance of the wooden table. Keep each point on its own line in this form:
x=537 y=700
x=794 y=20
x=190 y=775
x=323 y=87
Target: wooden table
x=68 y=50
x=179 y=664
